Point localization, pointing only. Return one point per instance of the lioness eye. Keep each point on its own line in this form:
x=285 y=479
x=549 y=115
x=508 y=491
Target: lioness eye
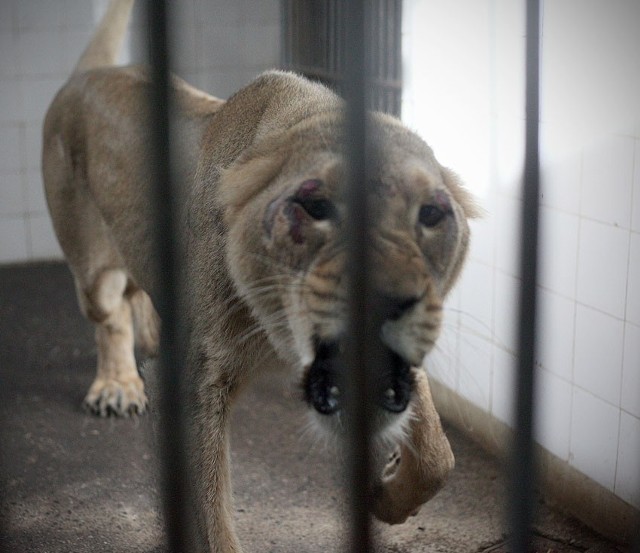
x=320 y=209
x=430 y=215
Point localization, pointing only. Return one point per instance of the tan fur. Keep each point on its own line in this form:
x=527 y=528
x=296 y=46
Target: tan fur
x=421 y=464
x=259 y=283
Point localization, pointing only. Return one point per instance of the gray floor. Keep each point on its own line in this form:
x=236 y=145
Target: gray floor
x=73 y=482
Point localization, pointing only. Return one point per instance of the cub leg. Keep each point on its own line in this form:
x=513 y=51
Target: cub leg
x=421 y=464
x=117 y=388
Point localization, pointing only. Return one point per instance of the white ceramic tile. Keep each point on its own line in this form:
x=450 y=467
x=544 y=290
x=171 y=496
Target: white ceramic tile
x=10 y=101
x=266 y=12
x=40 y=53
x=11 y=145
x=12 y=200
x=561 y=166
x=223 y=83
x=556 y=334
x=195 y=78
x=135 y=48
x=222 y=46
x=441 y=363
x=261 y=45
x=602 y=267
x=8 y=54
x=13 y=240
x=476 y=295
x=44 y=244
x=630 y=400
x=580 y=83
x=558 y=251
x=33 y=147
x=628 y=474
x=483 y=241
x=219 y=13
x=635 y=216
x=509 y=59
x=594 y=437
x=6 y=16
x=38 y=95
x=475 y=369
x=608 y=180
x=74 y=42
x=503 y=385
x=35 y=14
x=506 y=311
x=184 y=50
x=509 y=155
x=633 y=290
x=183 y=14
x=559 y=54
x=553 y=413
x=508 y=216
x=36 y=202
x=78 y=13
x=100 y=8
x=598 y=354
x=452 y=301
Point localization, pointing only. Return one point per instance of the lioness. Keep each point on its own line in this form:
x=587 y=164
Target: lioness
x=264 y=175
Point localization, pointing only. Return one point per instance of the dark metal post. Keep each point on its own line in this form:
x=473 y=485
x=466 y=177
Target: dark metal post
x=359 y=358
x=523 y=466
x=174 y=469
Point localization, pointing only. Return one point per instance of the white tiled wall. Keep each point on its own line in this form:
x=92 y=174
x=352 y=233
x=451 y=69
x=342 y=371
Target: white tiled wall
x=220 y=46
x=465 y=94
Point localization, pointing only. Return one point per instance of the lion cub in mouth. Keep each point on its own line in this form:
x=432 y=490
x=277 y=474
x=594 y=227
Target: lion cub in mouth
x=264 y=259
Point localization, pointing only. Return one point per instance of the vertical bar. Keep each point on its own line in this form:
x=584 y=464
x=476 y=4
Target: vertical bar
x=172 y=440
x=361 y=331
x=522 y=485
x=286 y=19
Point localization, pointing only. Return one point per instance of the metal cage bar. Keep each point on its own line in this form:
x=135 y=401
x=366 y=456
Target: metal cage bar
x=316 y=33
x=523 y=465
x=359 y=406
x=175 y=492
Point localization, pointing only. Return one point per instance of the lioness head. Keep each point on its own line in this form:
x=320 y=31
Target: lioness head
x=285 y=210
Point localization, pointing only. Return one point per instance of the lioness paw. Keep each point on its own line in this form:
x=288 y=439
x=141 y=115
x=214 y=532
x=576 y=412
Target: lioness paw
x=113 y=397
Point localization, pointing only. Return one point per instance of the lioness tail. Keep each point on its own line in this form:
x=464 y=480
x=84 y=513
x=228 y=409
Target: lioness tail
x=105 y=44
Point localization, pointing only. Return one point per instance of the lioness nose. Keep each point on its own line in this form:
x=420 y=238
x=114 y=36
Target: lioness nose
x=393 y=307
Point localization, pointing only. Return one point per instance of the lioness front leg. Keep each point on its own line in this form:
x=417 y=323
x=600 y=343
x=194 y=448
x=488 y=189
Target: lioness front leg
x=420 y=466
x=210 y=428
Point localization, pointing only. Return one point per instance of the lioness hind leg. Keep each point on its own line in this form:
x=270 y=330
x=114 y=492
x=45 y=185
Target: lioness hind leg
x=117 y=388
x=146 y=322
x=420 y=466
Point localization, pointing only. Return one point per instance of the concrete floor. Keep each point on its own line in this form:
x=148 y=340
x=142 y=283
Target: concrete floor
x=74 y=482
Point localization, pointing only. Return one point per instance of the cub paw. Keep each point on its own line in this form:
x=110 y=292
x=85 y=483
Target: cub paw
x=113 y=397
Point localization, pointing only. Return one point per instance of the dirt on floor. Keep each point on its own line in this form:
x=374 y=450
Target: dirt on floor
x=74 y=482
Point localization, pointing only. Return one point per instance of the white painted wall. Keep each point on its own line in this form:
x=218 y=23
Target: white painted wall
x=221 y=45
x=464 y=68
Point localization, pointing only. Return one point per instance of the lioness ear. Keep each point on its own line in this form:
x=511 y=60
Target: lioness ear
x=460 y=194
x=246 y=178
